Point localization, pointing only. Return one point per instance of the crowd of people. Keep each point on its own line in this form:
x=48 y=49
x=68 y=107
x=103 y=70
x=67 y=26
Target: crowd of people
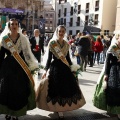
x=58 y=90
x=88 y=49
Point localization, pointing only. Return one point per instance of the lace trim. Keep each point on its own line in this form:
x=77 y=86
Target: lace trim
x=64 y=49
x=23 y=44
x=17 y=45
x=62 y=101
x=115 y=50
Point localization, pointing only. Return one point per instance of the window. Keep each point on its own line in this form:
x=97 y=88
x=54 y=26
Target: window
x=106 y=32
x=96 y=19
x=78 y=21
x=51 y=15
x=96 y=5
x=36 y=13
x=50 y=28
x=65 y=11
x=51 y=22
x=62 y=1
x=64 y=21
x=46 y=28
x=70 y=32
x=59 y=14
x=86 y=19
x=71 y=12
x=46 y=15
x=87 y=7
x=59 y=1
x=61 y=21
x=58 y=22
x=79 y=9
x=71 y=22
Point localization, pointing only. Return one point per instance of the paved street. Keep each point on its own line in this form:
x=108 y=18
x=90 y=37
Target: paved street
x=87 y=83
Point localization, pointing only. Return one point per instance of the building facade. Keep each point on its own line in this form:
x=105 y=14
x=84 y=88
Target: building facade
x=32 y=14
x=94 y=16
x=49 y=15
x=117 y=25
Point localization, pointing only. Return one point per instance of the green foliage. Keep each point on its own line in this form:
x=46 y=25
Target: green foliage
x=33 y=72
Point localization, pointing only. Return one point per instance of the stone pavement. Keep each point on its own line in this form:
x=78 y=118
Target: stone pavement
x=87 y=84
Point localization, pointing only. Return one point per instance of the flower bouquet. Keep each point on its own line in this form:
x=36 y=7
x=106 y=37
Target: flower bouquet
x=76 y=69
x=34 y=71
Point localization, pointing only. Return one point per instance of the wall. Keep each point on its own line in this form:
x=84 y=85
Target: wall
x=117 y=25
x=109 y=15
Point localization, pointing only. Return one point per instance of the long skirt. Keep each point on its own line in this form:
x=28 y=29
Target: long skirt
x=102 y=98
x=17 y=94
x=41 y=100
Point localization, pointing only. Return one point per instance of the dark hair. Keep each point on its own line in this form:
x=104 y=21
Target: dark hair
x=98 y=38
x=12 y=19
x=23 y=30
x=102 y=36
x=61 y=26
x=84 y=32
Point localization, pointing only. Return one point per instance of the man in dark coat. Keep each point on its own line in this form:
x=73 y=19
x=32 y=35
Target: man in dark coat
x=84 y=46
x=37 y=44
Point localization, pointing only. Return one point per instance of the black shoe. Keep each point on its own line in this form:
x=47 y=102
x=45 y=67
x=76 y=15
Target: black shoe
x=61 y=118
x=14 y=118
x=7 y=117
x=91 y=66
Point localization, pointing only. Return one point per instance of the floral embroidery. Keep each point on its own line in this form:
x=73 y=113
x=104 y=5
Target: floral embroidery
x=115 y=50
x=64 y=49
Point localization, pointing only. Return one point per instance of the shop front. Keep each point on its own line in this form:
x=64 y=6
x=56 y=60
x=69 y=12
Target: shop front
x=8 y=13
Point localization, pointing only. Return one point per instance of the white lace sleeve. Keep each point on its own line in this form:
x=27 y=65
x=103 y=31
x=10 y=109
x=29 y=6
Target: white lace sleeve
x=29 y=57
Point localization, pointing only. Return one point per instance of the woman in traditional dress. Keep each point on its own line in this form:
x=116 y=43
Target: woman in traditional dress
x=59 y=91
x=107 y=96
x=17 y=93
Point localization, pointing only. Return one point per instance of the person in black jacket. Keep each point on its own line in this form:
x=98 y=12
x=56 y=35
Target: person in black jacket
x=84 y=45
x=37 y=44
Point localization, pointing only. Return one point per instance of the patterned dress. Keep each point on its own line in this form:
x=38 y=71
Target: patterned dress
x=109 y=99
x=16 y=91
x=60 y=90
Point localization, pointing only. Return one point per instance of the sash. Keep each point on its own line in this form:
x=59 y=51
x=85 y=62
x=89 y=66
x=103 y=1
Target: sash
x=59 y=53
x=18 y=58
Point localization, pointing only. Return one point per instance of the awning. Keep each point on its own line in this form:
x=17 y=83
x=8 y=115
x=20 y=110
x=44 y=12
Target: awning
x=10 y=10
x=92 y=30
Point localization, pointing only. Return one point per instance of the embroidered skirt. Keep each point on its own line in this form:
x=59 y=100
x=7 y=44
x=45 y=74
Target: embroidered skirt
x=17 y=94
x=108 y=99
x=60 y=90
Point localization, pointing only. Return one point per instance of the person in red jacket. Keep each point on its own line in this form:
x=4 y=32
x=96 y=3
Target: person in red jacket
x=98 y=48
